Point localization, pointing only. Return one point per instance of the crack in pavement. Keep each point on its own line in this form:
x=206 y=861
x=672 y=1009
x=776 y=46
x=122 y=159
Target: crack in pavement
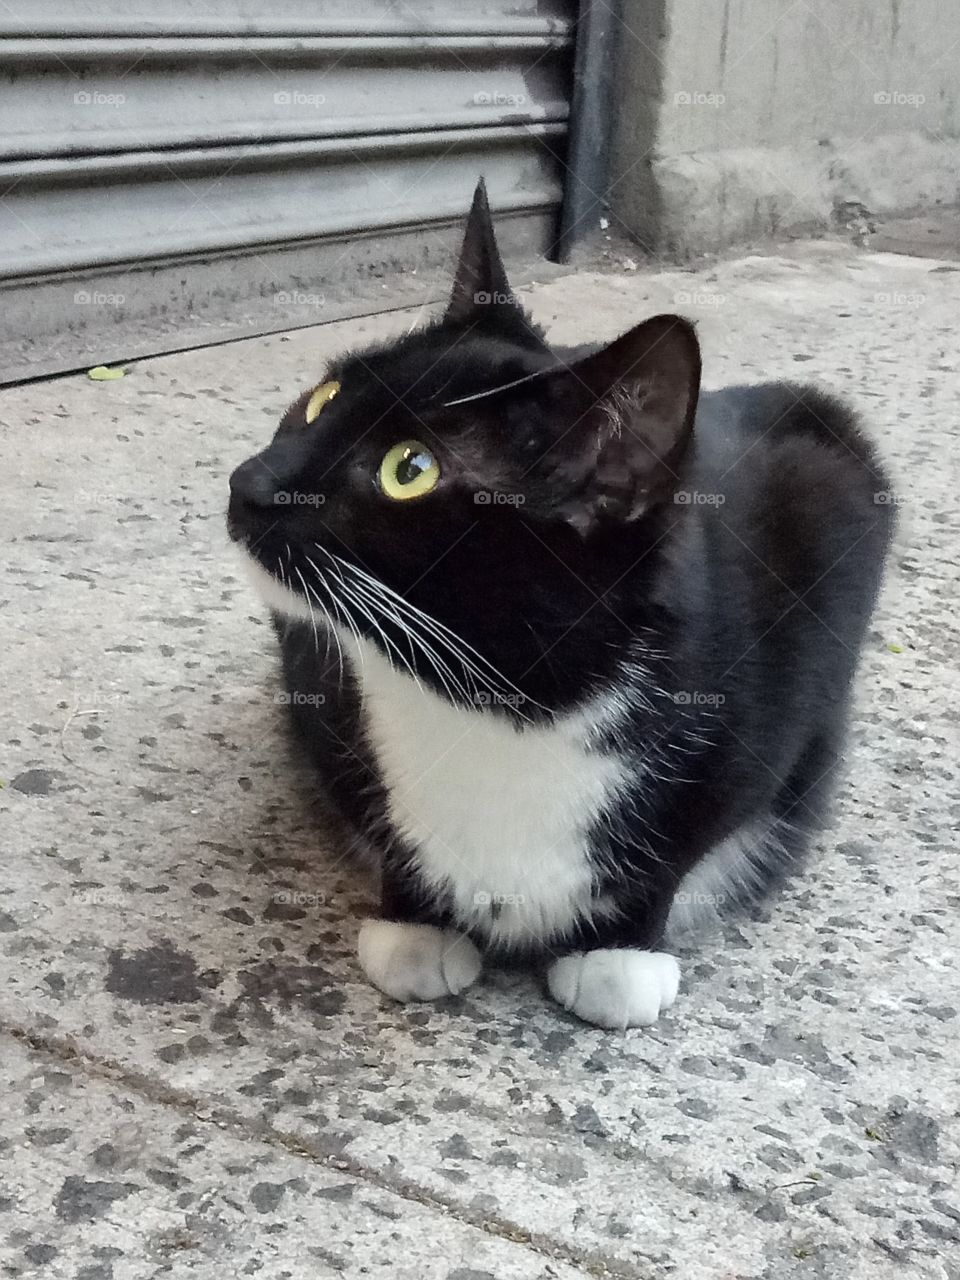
x=156 y=1091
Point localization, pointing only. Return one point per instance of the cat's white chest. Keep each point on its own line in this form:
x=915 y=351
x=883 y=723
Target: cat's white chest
x=497 y=818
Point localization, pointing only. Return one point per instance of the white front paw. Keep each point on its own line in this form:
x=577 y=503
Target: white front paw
x=417 y=961
x=615 y=988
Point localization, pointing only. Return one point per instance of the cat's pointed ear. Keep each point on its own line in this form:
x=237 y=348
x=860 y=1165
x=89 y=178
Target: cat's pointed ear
x=635 y=403
x=481 y=285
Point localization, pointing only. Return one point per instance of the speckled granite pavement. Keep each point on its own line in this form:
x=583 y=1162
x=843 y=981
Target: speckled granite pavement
x=197 y=1080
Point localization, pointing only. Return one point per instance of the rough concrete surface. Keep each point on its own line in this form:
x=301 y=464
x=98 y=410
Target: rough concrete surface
x=197 y=1079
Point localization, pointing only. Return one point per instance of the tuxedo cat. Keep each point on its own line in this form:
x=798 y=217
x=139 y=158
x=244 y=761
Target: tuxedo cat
x=570 y=643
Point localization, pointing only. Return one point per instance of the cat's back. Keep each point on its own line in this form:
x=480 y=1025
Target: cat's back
x=788 y=520
x=789 y=459
x=743 y=430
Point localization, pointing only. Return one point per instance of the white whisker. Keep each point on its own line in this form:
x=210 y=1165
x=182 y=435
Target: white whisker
x=331 y=626
x=434 y=629
x=444 y=672
x=504 y=386
x=495 y=681
x=359 y=603
x=372 y=594
x=313 y=620
x=341 y=610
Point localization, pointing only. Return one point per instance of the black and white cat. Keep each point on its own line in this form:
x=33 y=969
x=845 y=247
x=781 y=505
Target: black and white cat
x=570 y=643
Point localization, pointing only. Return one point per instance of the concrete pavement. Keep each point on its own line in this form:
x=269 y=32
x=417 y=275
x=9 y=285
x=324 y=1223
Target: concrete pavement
x=197 y=1078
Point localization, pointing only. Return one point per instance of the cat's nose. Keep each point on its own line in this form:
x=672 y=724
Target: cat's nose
x=255 y=484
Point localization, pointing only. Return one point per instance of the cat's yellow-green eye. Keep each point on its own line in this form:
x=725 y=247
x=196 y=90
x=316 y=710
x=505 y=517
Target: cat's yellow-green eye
x=409 y=470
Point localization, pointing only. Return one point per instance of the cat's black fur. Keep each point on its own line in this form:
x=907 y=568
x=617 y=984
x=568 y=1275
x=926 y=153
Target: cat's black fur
x=715 y=573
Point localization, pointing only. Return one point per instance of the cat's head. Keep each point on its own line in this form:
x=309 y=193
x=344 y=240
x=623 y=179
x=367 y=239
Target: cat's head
x=467 y=480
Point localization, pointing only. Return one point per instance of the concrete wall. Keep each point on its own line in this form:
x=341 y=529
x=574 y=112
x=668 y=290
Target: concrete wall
x=743 y=118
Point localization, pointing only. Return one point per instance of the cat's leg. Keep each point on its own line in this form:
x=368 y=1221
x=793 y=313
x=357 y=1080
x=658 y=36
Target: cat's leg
x=411 y=952
x=806 y=796
x=410 y=961
x=615 y=987
x=620 y=976
x=621 y=979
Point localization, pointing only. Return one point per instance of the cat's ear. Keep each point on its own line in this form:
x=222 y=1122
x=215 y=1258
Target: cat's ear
x=635 y=403
x=481 y=287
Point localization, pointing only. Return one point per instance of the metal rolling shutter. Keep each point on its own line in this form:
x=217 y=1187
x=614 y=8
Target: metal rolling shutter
x=173 y=174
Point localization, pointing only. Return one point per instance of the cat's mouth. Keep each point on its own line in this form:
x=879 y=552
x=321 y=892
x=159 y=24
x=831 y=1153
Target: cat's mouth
x=266 y=554
x=314 y=584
